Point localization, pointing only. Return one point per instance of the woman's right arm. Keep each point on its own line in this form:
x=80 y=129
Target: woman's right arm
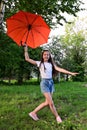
x=27 y=58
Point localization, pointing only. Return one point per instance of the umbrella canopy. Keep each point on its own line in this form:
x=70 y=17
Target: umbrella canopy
x=27 y=28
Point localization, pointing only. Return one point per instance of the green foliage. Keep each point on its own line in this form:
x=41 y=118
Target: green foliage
x=49 y=9
x=70 y=100
x=75 y=50
x=12 y=62
x=55 y=48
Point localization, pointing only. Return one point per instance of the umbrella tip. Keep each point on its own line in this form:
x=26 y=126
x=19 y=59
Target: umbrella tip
x=29 y=27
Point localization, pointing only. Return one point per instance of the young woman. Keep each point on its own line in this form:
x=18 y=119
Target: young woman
x=47 y=69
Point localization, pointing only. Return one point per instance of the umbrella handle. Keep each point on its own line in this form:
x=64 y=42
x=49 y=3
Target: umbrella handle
x=23 y=44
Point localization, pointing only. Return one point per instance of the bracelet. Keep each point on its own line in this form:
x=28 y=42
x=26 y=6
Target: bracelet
x=25 y=51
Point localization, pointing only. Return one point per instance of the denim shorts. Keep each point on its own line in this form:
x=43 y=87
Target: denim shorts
x=47 y=85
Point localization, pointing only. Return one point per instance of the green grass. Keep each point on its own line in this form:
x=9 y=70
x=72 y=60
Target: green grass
x=16 y=102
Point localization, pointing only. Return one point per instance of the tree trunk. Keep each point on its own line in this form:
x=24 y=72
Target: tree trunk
x=2 y=10
x=9 y=80
x=67 y=77
x=20 y=79
x=38 y=77
x=59 y=77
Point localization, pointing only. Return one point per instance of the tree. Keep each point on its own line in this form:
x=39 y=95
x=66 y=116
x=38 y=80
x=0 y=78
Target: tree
x=9 y=57
x=70 y=50
x=49 y=9
x=2 y=10
x=75 y=49
x=12 y=62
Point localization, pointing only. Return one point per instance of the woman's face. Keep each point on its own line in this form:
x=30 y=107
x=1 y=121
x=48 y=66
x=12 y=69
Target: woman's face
x=46 y=56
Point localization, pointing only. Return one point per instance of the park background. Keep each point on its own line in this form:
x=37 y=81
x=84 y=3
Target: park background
x=19 y=80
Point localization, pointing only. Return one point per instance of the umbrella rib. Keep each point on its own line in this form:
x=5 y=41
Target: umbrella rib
x=41 y=34
x=31 y=34
x=27 y=18
x=15 y=29
x=22 y=36
x=17 y=20
x=33 y=19
x=26 y=36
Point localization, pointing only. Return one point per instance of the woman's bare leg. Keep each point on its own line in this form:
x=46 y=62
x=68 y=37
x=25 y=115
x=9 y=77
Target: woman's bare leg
x=47 y=102
x=34 y=112
x=41 y=106
x=48 y=97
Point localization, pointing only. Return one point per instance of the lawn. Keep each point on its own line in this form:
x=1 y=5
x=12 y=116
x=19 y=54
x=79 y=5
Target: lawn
x=16 y=102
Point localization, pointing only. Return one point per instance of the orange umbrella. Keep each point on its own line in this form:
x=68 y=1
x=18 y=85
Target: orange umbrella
x=27 y=28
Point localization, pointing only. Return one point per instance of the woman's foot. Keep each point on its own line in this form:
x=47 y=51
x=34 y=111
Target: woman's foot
x=33 y=116
x=58 y=119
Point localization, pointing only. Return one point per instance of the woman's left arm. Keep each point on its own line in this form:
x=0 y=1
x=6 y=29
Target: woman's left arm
x=65 y=71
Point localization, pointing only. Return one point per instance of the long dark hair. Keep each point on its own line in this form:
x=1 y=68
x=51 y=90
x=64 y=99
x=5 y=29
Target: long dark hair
x=50 y=60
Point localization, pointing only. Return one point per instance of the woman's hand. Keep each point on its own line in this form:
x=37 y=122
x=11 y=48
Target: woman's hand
x=74 y=73
x=65 y=71
x=25 y=48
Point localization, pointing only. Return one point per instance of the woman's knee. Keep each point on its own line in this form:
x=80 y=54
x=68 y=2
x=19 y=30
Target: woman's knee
x=46 y=103
x=51 y=104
